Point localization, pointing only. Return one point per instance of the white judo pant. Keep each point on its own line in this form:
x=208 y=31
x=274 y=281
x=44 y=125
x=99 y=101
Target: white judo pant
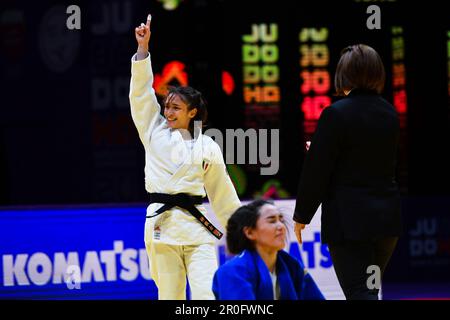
x=170 y=264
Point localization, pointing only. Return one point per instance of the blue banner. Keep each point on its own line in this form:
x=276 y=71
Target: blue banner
x=99 y=253
x=87 y=253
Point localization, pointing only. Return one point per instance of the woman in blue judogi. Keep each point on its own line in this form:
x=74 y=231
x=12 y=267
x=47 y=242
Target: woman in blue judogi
x=262 y=270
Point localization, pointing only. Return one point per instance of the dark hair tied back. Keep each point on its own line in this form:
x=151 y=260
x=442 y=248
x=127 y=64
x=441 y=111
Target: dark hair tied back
x=245 y=216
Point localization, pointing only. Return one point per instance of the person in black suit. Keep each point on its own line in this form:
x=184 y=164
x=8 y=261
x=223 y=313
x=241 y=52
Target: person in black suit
x=350 y=169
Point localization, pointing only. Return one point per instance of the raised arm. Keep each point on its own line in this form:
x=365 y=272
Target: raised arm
x=145 y=109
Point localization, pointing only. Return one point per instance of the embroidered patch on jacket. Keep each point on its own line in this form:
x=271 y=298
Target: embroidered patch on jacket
x=157 y=233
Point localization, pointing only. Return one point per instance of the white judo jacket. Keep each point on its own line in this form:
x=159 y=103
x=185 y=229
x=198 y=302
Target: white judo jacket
x=174 y=165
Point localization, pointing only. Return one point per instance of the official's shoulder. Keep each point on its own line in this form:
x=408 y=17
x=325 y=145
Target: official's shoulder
x=332 y=113
x=341 y=104
x=387 y=104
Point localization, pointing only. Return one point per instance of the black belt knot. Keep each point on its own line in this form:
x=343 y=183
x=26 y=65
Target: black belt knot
x=184 y=201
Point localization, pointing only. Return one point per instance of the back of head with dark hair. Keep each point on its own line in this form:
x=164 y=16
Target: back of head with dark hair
x=193 y=99
x=245 y=216
x=360 y=67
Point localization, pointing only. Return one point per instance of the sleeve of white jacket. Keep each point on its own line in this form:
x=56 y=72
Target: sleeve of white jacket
x=220 y=190
x=145 y=109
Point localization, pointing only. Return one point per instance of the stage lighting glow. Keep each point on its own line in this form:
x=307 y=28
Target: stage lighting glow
x=315 y=78
x=398 y=71
x=228 y=84
x=172 y=72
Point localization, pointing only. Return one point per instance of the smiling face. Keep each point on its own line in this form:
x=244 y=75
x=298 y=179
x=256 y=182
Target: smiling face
x=270 y=231
x=177 y=112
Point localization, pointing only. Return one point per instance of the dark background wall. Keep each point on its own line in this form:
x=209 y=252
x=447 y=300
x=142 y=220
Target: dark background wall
x=66 y=134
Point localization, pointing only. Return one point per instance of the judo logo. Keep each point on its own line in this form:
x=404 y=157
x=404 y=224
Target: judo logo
x=374 y=280
x=423 y=242
x=157 y=233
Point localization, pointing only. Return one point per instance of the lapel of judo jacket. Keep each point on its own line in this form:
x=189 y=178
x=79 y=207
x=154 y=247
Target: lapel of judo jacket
x=191 y=158
x=287 y=286
x=264 y=287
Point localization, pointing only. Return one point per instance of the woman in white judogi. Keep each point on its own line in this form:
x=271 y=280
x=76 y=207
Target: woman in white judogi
x=178 y=169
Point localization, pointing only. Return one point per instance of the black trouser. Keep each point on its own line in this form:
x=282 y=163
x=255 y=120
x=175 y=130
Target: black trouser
x=351 y=260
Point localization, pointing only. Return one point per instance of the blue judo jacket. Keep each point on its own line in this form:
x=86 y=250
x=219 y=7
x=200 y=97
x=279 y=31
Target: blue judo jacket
x=246 y=277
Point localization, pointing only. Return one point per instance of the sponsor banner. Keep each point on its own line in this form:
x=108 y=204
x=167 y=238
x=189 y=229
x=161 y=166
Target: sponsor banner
x=99 y=253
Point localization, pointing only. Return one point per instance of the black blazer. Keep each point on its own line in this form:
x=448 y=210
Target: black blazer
x=350 y=169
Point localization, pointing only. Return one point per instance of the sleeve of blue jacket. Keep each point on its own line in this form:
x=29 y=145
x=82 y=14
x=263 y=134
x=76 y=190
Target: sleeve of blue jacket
x=310 y=290
x=305 y=285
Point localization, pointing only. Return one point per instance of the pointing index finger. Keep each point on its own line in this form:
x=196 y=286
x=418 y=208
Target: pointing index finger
x=149 y=19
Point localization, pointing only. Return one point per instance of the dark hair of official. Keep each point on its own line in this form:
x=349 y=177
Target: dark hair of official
x=193 y=99
x=245 y=216
x=360 y=67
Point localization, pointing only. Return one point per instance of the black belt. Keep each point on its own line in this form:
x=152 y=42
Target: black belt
x=187 y=202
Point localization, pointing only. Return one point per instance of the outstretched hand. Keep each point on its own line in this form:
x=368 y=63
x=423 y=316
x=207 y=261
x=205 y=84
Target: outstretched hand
x=142 y=33
x=298 y=227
